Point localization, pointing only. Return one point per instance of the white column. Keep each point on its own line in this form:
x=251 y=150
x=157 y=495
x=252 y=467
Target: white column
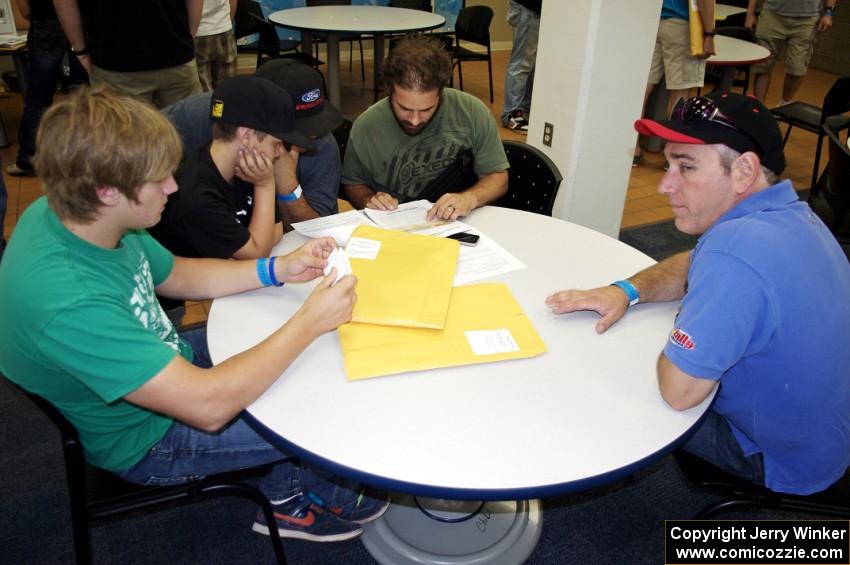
x=592 y=64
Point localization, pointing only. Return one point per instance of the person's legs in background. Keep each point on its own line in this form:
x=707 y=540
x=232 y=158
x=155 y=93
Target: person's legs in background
x=519 y=75
x=46 y=46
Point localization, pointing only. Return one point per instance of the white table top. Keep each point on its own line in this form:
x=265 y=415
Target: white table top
x=357 y=19
x=586 y=412
x=723 y=11
x=730 y=51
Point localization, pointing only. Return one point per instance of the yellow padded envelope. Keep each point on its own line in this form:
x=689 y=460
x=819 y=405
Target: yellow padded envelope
x=409 y=281
x=373 y=351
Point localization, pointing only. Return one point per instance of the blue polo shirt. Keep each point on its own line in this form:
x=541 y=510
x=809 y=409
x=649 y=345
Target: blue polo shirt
x=674 y=9
x=767 y=313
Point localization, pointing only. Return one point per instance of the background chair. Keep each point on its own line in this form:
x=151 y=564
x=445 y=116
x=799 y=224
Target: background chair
x=473 y=26
x=742 y=79
x=533 y=179
x=341 y=135
x=739 y=493
x=424 y=5
x=811 y=118
x=834 y=184
x=259 y=36
x=269 y=46
x=96 y=494
x=350 y=37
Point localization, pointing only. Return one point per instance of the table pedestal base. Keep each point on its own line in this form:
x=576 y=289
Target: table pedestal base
x=417 y=530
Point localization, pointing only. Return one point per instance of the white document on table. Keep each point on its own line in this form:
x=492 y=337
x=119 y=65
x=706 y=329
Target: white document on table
x=410 y=216
x=338 y=226
x=486 y=259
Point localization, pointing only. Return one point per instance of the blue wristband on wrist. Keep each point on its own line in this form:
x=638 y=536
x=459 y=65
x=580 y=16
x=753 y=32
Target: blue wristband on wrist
x=291 y=197
x=263 y=271
x=272 y=276
x=629 y=289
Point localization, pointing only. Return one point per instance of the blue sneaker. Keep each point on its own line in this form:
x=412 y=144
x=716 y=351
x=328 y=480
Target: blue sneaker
x=299 y=518
x=346 y=499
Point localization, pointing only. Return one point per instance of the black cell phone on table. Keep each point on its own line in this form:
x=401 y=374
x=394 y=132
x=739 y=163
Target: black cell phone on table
x=465 y=238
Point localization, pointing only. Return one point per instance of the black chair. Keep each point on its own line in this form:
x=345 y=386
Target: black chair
x=269 y=46
x=713 y=74
x=424 y=5
x=533 y=179
x=350 y=37
x=249 y=21
x=834 y=184
x=473 y=26
x=811 y=118
x=96 y=494
x=341 y=134
x=740 y=493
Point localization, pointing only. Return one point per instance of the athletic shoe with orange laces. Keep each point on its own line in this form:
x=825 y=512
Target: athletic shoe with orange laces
x=298 y=517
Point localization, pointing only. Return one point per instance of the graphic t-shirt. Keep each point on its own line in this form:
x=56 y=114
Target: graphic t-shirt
x=80 y=325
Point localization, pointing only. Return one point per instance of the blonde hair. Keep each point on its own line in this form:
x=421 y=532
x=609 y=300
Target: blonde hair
x=99 y=138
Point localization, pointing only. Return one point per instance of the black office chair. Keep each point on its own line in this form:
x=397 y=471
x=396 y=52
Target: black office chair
x=248 y=22
x=269 y=46
x=350 y=37
x=424 y=5
x=341 y=134
x=473 y=26
x=740 y=493
x=713 y=74
x=811 y=118
x=834 y=184
x=96 y=494
x=533 y=179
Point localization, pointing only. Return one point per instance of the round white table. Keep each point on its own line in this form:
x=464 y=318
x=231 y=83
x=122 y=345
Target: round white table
x=723 y=11
x=583 y=414
x=335 y=20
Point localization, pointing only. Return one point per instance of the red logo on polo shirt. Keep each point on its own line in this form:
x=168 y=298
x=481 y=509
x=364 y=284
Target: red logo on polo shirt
x=682 y=339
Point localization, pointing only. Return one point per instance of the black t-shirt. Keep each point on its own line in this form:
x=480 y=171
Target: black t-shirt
x=137 y=35
x=42 y=11
x=207 y=216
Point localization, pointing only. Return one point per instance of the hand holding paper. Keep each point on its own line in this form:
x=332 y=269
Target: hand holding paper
x=339 y=260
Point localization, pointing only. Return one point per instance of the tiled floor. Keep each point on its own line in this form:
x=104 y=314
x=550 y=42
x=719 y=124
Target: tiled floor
x=643 y=205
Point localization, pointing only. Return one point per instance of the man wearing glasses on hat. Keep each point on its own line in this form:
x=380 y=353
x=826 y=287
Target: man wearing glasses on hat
x=764 y=309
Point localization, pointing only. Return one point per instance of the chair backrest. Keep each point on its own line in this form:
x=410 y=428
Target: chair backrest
x=341 y=135
x=312 y=3
x=473 y=25
x=837 y=189
x=533 y=179
x=837 y=99
x=424 y=5
x=244 y=22
x=268 y=46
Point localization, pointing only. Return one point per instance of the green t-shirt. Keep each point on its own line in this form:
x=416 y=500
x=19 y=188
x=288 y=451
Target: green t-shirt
x=380 y=155
x=81 y=326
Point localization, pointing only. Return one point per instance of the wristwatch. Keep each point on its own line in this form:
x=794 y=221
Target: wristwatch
x=708 y=34
x=83 y=51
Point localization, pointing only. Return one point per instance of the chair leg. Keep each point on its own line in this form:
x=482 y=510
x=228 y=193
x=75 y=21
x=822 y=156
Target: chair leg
x=460 y=75
x=787 y=135
x=362 y=66
x=490 y=72
x=76 y=477
x=817 y=160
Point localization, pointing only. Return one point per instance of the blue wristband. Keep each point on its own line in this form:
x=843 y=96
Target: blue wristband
x=629 y=289
x=829 y=12
x=271 y=272
x=291 y=197
x=263 y=271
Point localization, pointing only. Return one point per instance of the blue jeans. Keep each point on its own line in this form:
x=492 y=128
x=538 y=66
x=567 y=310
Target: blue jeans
x=519 y=76
x=187 y=454
x=46 y=48
x=714 y=442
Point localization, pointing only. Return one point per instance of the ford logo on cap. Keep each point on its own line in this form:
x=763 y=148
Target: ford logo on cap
x=311 y=96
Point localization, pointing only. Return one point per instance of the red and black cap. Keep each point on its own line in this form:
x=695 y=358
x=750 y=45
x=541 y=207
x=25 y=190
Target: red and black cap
x=737 y=121
x=259 y=104
x=314 y=115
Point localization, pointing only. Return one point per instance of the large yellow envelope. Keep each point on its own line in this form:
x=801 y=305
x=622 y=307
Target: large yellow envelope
x=409 y=281
x=489 y=311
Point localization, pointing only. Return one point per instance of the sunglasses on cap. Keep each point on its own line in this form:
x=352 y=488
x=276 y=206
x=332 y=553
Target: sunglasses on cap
x=702 y=109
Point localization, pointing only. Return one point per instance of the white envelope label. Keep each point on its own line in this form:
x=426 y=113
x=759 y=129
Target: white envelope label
x=362 y=248
x=489 y=342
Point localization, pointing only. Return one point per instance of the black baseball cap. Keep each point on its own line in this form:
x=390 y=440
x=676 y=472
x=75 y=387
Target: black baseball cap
x=257 y=103
x=741 y=123
x=314 y=115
